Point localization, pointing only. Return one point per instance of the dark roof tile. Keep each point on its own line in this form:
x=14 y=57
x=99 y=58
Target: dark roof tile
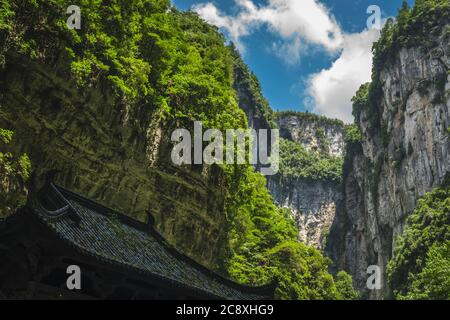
x=116 y=238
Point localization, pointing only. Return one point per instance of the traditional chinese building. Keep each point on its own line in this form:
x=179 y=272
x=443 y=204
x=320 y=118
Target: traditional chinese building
x=118 y=257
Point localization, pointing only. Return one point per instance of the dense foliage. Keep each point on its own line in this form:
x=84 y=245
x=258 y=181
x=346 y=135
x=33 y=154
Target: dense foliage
x=420 y=267
x=411 y=28
x=433 y=281
x=297 y=162
x=14 y=173
x=178 y=67
x=264 y=246
x=150 y=54
x=352 y=134
x=344 y=285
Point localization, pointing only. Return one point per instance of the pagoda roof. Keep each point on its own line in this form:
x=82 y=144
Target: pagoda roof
x=117 y=239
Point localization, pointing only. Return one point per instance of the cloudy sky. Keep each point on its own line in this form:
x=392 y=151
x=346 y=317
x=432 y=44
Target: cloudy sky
x=308 y=54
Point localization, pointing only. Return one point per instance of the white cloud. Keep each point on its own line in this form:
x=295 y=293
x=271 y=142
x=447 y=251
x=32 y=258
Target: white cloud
x=289 y=52
x=332 y=89
x=302 y=24
x=292 y=20
x=235 y=28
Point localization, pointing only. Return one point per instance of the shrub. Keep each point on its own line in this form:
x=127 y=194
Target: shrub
x=298 y=163
x=14 y=173
x=419 y=250
x=344 y=286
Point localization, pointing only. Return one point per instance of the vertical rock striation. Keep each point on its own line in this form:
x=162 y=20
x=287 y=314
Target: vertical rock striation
x=404 y=153
x=313 y=204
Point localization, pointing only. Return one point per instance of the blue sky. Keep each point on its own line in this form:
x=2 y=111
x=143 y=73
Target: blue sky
x=285 y=43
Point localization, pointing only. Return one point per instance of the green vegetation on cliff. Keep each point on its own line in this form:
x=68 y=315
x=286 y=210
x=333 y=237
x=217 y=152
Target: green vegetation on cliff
x=249 y=91
x=360 y=100
x=14 y=173
x=420 y=267
x=297 y=162
x=150 y=53
x=168 y=68
x=411 y=28
x=352 y=134
x=264 y=246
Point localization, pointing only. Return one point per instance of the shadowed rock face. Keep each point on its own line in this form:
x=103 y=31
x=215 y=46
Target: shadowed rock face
x=113 y=154
x=312 y=202
x=407 y=157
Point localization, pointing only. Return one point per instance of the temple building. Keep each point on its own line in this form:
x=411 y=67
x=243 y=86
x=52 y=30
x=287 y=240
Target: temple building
x=117 y=257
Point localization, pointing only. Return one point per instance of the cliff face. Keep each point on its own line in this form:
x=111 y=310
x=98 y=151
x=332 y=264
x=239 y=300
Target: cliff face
x=398 y=161
x=312 y=132
x=313 y=202
x=119 y=157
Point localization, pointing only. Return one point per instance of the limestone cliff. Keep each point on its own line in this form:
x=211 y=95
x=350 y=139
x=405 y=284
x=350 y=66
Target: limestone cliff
x=404 y=152
x=313 y=132
x=312 y=201
x=313 y=204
